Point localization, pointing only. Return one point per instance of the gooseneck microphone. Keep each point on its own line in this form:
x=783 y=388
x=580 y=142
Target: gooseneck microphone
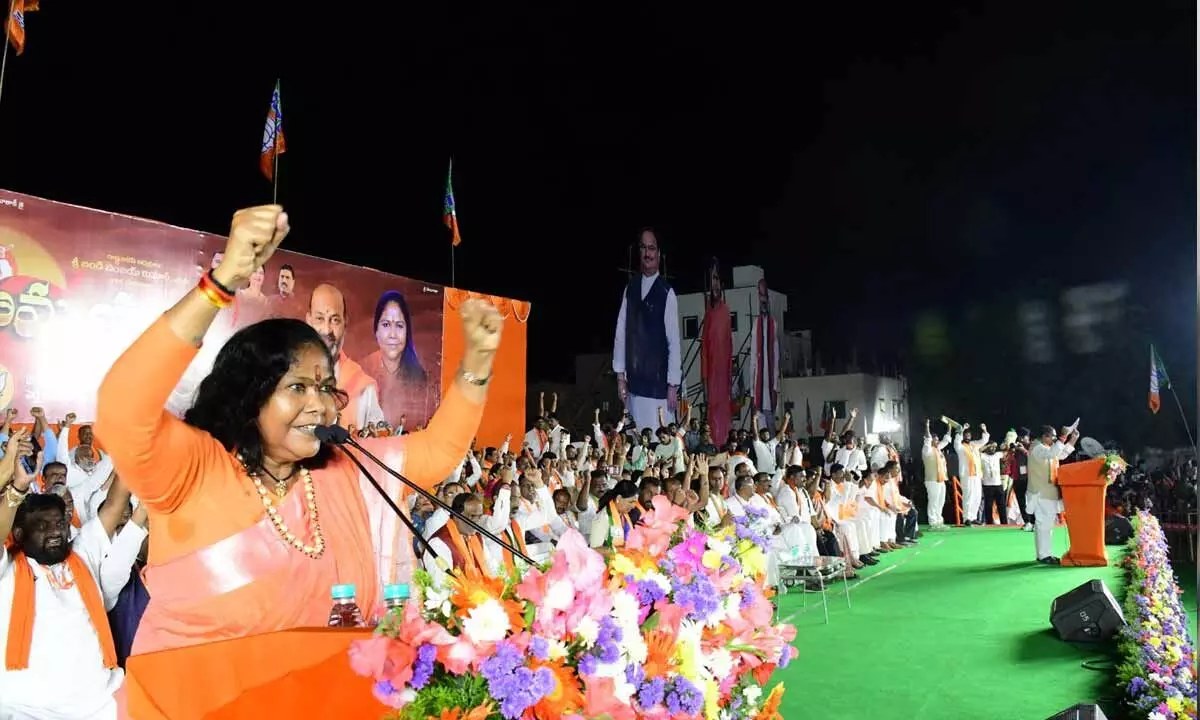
x=339 y=436
x=374 y=483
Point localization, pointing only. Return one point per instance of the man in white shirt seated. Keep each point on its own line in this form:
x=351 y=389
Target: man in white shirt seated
x=61 y=660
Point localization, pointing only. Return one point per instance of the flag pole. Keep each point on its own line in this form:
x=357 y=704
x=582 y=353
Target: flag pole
x=275 y=154
x=452 y=264
x=7 y=35
x=1182 y=416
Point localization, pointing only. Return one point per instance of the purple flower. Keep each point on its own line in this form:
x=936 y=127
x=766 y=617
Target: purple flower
x=698 y=596
x=516 y=687
x=539 y=648
x=423 y=667
x=651 y=693
x=785 y=657
x=635 y=675
x=684 y=697
x=587 y=665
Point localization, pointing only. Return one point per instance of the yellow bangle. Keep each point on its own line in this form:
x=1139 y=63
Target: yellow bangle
x=213 y=297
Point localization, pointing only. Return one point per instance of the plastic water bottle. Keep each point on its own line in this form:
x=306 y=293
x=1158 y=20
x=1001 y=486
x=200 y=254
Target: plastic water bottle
x=345 y=612
x=394 y=597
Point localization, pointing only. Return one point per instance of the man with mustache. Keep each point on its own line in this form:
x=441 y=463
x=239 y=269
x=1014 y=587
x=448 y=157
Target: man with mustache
x=327 y=315
x=646 y=355
x=53 y=613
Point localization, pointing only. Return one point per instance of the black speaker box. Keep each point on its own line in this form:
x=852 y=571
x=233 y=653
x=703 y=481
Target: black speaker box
x=1080 y=712
x=1117 y=530
x=1086 y=614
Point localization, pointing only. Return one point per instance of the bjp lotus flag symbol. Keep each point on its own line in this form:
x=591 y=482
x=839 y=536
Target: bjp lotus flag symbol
x=14 y=25
x=273 y=144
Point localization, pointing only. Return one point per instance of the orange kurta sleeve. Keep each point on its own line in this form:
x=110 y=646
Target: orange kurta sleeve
x=159 y=458
x=430 y=455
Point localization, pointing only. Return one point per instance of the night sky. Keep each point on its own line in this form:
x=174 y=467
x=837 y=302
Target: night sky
x=882 y=162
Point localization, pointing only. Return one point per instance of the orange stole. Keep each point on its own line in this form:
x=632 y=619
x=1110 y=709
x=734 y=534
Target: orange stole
x=20 y=626
x=972 y=463
x=467 y=552
x=353 y=380
x=519 y=541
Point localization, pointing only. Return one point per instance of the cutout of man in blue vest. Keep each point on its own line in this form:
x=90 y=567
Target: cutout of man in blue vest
x=646 y=355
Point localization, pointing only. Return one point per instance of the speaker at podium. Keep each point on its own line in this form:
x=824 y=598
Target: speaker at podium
x=1089 y=613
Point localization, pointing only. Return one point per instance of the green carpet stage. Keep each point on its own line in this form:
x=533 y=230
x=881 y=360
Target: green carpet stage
x=956 y=627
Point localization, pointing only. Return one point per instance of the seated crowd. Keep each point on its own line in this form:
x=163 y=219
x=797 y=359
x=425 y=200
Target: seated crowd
x=77 y=540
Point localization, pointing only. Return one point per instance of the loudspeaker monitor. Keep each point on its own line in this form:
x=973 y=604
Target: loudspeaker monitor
x=1080 y=712
x=1089 y=613
x=1117 y=530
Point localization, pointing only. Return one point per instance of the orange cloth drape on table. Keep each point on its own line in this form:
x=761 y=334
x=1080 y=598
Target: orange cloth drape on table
x=1082 y=488
x=505 y=410
x=243 y=678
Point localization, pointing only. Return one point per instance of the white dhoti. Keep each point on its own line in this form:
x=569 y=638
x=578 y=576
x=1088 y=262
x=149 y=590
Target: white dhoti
x=1045 y=515
x=972 y=498
x=936 y=495
x=871 y=517
x=847 y=534
x=644 y=411
x=887 y=526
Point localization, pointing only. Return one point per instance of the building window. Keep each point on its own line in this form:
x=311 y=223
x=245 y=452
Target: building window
x=883 y=407
x=896 y=409
x=839 y=407
x=733 y=321
x=691 y=327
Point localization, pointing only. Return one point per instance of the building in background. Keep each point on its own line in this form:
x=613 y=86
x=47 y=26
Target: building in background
x=881 y=400
x=882 y=403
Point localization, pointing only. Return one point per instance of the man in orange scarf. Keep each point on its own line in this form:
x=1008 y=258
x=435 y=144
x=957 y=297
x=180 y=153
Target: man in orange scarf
x=970 y=470
x=55 y=626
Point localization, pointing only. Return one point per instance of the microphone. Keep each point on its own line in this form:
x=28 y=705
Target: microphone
x=331 y=436
x=338 y=435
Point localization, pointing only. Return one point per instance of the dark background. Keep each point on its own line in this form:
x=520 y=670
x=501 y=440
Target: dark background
x=897 y=167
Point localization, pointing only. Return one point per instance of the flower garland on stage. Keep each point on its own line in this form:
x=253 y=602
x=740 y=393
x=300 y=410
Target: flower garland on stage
x=1112 y=468
x=1158 y=667
x=677 y=622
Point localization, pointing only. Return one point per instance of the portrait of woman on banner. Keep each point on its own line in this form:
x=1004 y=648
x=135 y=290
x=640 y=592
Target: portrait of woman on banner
x=716 y=355
x=402 y=380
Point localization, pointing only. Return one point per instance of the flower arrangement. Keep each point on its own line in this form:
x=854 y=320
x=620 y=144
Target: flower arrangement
x=1158 y=669
x=675 y=623
x=1112 y=468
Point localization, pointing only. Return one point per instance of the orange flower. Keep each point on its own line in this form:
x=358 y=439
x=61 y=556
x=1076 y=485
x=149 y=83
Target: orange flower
x=565 y=698
x=770 y=708
x=479 y=713
x=472 y=589
x=660 y=654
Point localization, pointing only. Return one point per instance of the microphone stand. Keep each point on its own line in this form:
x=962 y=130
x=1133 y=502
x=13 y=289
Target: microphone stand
x=387 y=498
x=429 y=496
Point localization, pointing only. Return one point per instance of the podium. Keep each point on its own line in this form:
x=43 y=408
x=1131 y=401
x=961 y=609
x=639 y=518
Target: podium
x=302 y=673
x=1083 y=490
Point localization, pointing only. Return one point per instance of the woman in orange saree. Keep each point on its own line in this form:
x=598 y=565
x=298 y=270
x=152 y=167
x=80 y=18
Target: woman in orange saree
x=252 y=519
x=716 y=355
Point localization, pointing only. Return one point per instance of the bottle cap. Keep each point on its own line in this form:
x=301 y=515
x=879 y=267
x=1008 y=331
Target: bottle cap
x=343 y=592
x=395 y=592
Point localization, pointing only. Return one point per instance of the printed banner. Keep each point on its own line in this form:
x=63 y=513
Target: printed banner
x=77 y=286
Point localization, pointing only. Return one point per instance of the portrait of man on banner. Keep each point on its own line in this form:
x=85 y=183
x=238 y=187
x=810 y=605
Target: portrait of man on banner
x=646 y=349
x=716 y=355
x=764 y=355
